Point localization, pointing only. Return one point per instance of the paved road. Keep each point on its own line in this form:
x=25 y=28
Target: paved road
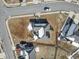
x=40 y=8
x=5 y=12
x=5 y=37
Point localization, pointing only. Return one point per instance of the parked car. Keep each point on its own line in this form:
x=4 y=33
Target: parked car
x=47 y=9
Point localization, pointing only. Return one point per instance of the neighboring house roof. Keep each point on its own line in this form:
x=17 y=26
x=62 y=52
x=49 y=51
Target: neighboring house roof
x=68 y=28
x=24 y=49
x=41 y=32
x=70 y=32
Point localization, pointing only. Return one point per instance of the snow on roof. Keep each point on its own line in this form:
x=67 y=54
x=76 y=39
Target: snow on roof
x=59 y=38
x=71 y=13
x=71 y=38
x=37 y=49
x=35 y=37
x=75 y=44
x=76 y=19
x=41 y=32
x=24 y=53
x=30 y=27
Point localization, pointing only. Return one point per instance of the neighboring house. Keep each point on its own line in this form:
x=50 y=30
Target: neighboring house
x=70 y=31
x=25 y=50
x=68 y=28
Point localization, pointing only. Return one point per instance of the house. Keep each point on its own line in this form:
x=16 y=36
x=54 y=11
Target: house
x=25 y=50
x=40 y=28
x=70 y=31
